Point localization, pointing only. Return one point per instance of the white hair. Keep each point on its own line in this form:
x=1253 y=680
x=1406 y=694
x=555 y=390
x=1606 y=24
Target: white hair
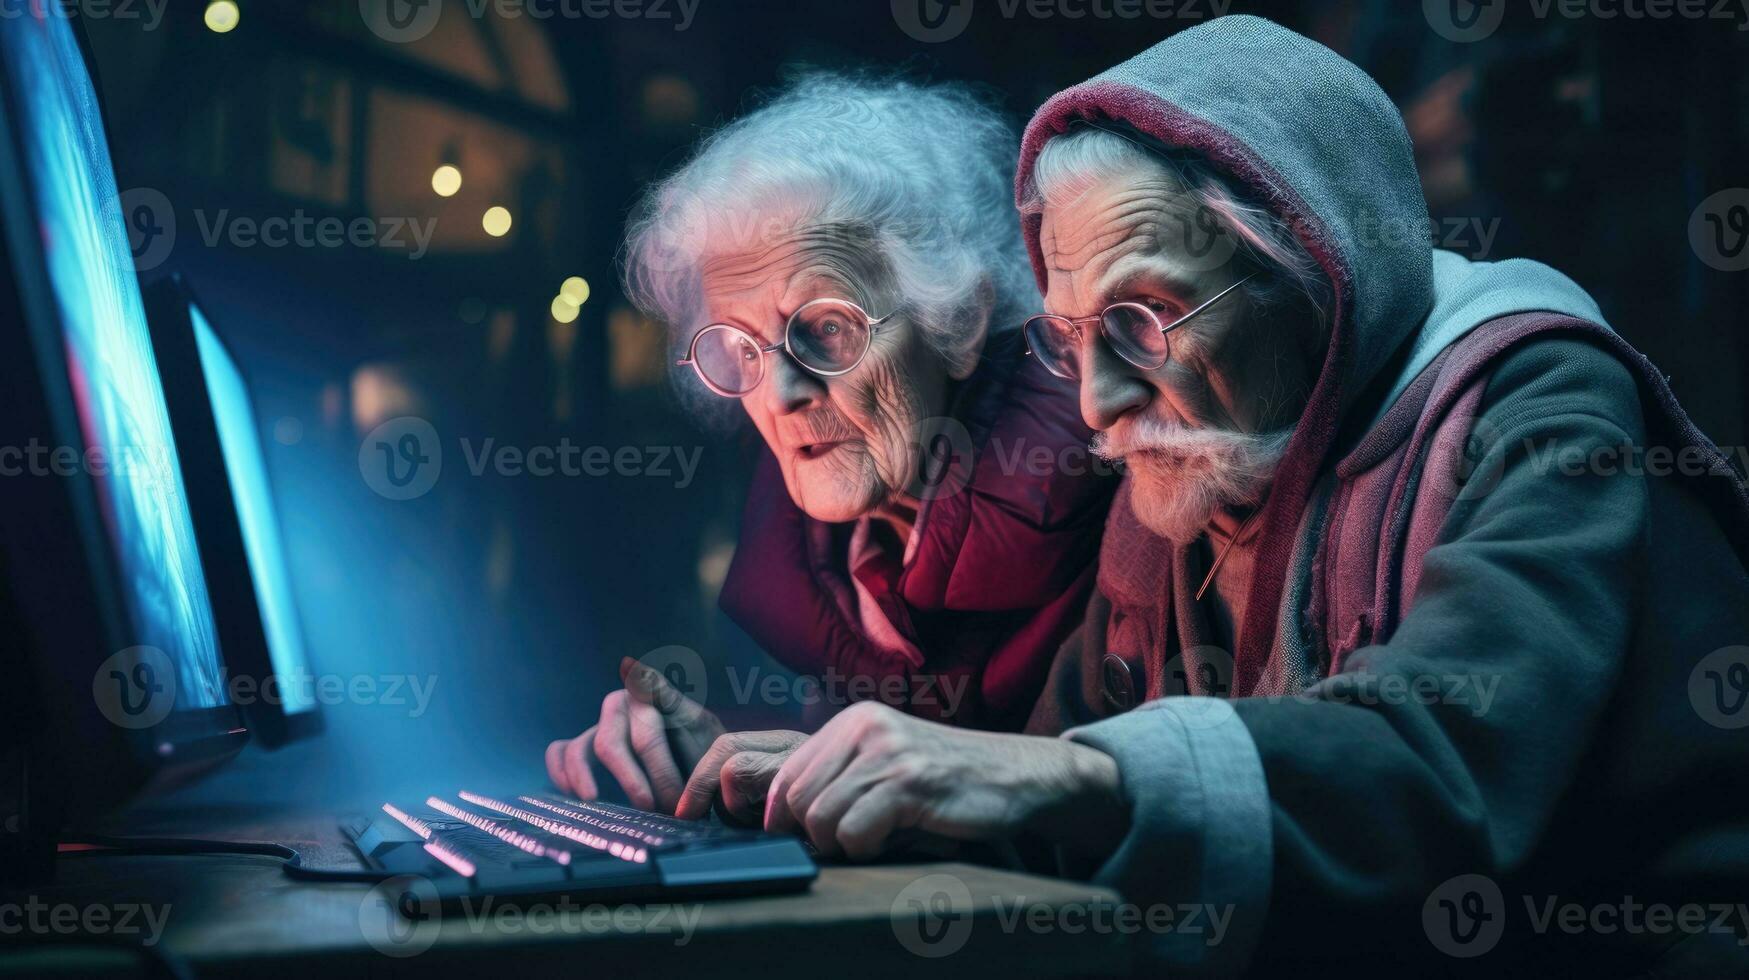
x=916 y=178
x=1072 y=163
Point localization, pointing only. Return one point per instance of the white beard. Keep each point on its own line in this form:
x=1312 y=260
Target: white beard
x=1181 y=476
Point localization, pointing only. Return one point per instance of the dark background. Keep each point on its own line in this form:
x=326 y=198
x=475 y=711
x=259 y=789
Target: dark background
x=1585 y=142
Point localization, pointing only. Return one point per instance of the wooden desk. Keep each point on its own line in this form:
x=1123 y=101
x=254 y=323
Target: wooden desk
x=238 y=916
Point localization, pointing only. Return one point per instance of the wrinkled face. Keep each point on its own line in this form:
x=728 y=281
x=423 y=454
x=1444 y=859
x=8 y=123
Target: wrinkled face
x=1205 y=430
x=845 y=444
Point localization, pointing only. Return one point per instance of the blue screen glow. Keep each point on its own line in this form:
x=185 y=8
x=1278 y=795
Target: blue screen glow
x=240 y=440
x=119 y=397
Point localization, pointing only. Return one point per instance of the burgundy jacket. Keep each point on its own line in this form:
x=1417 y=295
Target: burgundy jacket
x=1001 y=568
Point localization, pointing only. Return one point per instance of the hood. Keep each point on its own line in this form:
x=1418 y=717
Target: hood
x=1317 y=141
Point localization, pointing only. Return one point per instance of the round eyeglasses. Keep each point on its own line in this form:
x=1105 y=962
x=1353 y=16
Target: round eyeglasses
x=1131 y=329
x=828 y=337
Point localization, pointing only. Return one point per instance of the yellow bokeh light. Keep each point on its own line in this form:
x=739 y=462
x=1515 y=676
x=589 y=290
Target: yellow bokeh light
x=576 y=290
x=222 y=16
x=496 y=221
x=446 y=180
x=564 y=310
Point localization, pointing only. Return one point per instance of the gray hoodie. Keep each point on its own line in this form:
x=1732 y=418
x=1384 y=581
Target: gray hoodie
x=1520 y=719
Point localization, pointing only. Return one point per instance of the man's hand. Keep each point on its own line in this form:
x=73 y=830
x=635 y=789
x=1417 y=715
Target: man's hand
x=740 y=766
x=649 y=736
x=873 y=775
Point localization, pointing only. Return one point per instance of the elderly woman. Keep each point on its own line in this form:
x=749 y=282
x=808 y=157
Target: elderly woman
x=844 y=266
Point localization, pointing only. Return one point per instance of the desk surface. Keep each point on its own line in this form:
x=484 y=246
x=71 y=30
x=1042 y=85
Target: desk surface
x=227 y=916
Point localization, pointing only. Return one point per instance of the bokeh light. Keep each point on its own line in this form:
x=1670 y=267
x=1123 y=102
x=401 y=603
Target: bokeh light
x=564 y=310
x=446 y=180
x=222 y=16
x=496 y=221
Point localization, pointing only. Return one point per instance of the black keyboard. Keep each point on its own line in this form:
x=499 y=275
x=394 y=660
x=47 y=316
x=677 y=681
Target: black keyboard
x=473 y=845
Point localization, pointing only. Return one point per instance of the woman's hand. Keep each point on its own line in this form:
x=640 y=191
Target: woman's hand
x=740 y=767
x=873 y=776
x=649 y=737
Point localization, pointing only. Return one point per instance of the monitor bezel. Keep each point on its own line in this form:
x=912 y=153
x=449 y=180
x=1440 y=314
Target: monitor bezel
x=218 y=527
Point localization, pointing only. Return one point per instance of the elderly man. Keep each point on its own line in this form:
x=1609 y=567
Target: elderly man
x=842 y=268
x=1366 y=667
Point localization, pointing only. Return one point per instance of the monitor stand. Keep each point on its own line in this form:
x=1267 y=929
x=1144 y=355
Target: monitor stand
x=27 y=849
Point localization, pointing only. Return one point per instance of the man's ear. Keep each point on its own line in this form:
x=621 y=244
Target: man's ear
x=979 y=312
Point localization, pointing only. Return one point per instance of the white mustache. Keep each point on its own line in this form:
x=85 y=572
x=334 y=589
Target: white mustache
x=1183 y=442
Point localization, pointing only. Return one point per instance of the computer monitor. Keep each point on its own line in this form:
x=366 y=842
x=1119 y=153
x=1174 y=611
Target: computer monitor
x=236 y=524
x=105 y=600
